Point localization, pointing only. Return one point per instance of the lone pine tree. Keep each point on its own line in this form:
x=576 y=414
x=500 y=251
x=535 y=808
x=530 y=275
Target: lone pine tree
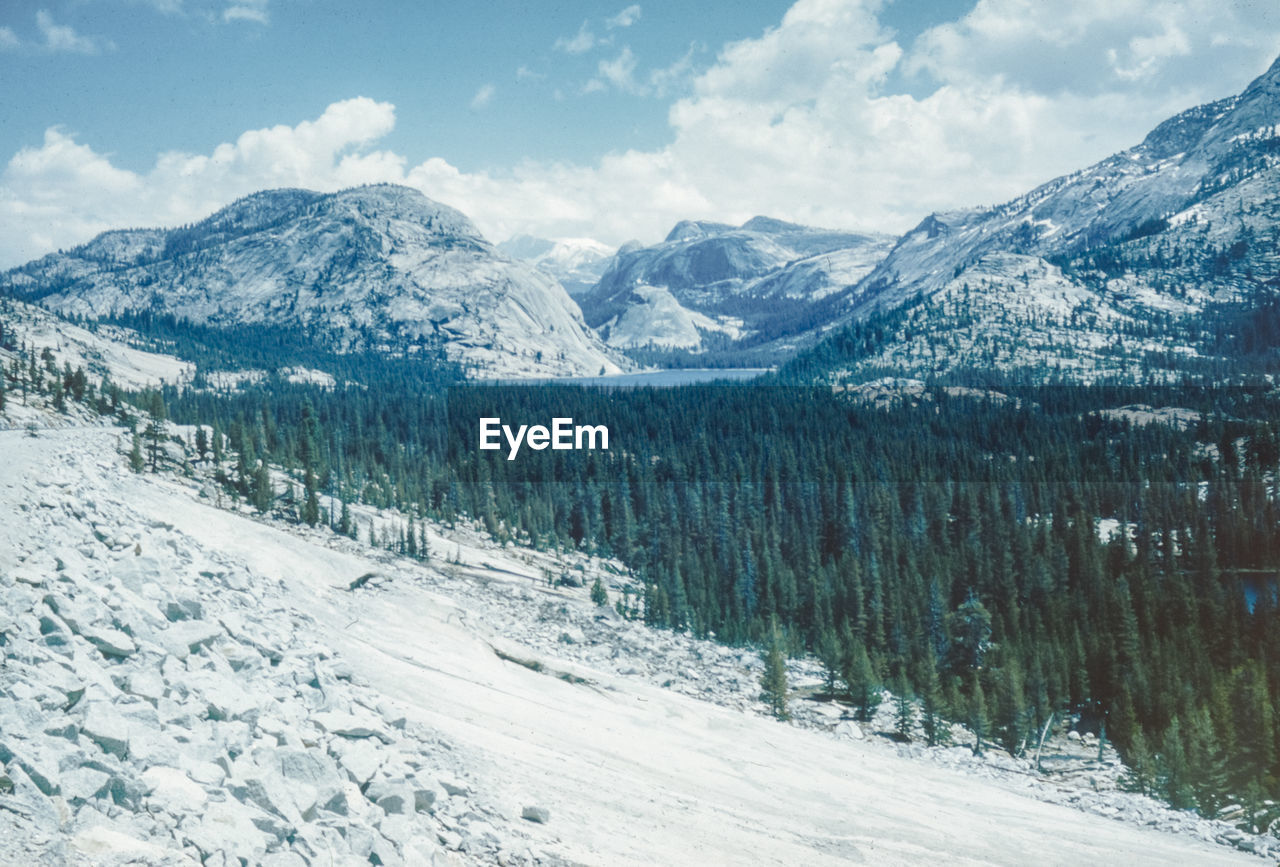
x=774 y=680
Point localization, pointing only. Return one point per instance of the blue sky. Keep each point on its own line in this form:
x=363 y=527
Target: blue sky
x=609 y=120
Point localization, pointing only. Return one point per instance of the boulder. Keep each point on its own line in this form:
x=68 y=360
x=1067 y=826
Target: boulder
x=173 y=791
x=105 y=727
x=40 y=764
x=127 y=790
x=109 y=642
x=454 y=786
x=146 y=683
x=226 y=827
x=350 y=726
x=267 y=788
x=221 y=698
x=84 y=784
x=360 y=840
x=188 y=636
x=849 y=730
x=359 y=759
x=424 y=796
x=541 y=815
x=185 y=608
x=395 y=797
x=55 y=632
x=103 y=844
x=315 y=781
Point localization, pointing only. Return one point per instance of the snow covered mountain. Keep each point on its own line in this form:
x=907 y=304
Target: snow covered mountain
x=766 y=285
x=379 y=266
x=577 y=263
x=1148 y=258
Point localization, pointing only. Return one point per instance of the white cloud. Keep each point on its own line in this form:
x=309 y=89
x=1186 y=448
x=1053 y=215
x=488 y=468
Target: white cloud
x=61 y=38
x=8 y=39
x=618 y=73
x=166 y=7
x=625 y=18
x=483 y=97
x=805 y=122
x=63 y=192
x=1092 y=47
x=672 y=77
x=580 y=43
x=254 y=11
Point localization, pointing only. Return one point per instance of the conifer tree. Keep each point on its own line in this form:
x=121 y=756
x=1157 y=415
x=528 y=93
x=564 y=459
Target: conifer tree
x=774 y=680
x=864 y=685
x=830 y=654
x=136 y=461
x=260 y=489
x=1174 y=769
x=1012 y=720
x=979 y=722
x=311 y=502
x=936 y=731
x=904 y=711
x=1140 y=772
x=344 y=523
x=155 y=427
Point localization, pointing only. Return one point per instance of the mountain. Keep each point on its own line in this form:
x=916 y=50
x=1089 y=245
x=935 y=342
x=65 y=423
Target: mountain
x=1159 y=258
x=766 y=285
x=371 y=267
x=576 y=263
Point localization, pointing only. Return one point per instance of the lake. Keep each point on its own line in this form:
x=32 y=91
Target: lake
x=653 y=378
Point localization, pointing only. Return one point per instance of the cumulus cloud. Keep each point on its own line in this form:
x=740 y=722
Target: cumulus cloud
x=1093 y=47
x=618 y=73
x=8 y=39
x=580 y=43
x=809 y=121
x=484 y=95
x=63 y=192
x=61 y=38
x=254 y=11
x=625 y=18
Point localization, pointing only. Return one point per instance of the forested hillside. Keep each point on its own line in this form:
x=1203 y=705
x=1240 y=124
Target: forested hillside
x=1002 y=555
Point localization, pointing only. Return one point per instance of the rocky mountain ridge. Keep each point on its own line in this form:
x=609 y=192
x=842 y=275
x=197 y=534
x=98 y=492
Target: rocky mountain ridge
x=378 y=267
x=767 y=284
x=1142 y=262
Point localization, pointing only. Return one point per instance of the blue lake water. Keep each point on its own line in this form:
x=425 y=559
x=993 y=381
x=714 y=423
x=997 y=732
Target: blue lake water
x=658 y=378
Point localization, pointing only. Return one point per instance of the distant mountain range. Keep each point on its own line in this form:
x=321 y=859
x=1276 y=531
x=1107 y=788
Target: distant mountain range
x=765 y=285
x=577 y=263
x=1159 y=261
x=380 y=267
